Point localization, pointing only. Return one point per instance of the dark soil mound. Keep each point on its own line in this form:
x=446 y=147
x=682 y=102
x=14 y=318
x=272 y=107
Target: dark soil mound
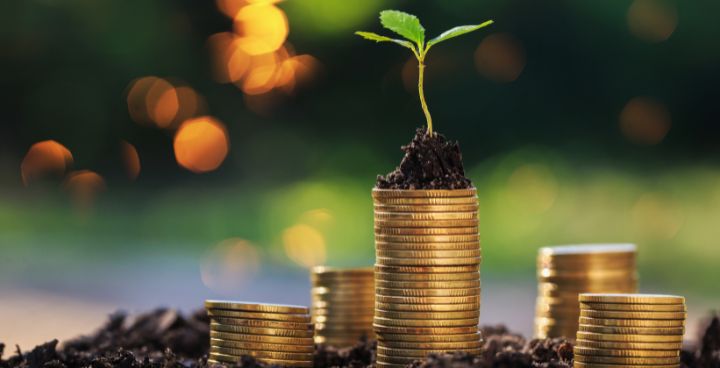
x=430 y=162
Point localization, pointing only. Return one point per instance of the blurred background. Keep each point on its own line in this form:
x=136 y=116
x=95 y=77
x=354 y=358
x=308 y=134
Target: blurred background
x=157 y=153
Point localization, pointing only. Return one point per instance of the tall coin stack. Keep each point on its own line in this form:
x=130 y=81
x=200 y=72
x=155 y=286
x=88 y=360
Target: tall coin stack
x=626 y=330
x=343 y=302
x=273 y=334
x=427 y=274
x=566 y=271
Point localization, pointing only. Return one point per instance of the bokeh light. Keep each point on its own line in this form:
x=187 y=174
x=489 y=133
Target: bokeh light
x=263 y=27
x=655 y=216
x=230 y=265
x=262 y=73
x=533 y=188
x=500 y=57
x=45 y=159
x=652 y=20
x=130 y=159
x=201 y=144
x=158 y=102
x=645 y=121
x=84 y=187
x=162 y=103
x=304 y=245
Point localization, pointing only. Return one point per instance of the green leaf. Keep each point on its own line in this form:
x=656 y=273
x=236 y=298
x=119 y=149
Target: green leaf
x=379 y=38
x=404 y=24
x=457 y=31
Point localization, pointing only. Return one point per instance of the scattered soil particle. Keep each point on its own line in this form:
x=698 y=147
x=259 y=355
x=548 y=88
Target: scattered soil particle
x=430 y=162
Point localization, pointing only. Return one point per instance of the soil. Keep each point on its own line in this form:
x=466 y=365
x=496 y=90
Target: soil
x=430 y=162
x=165 y=338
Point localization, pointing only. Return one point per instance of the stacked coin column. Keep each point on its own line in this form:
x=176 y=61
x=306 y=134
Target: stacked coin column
x=565 y=271
x=626 y=330
x=274 y=334
x=343 y=301
x=427 y=274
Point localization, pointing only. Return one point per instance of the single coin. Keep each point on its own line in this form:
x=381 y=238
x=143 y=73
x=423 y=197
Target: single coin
x=632 y=315
x=428 y=284
x=474 y=245
x=581 y=335
x=258 y=315
x=385 y=269
x=427 y=208
x=255 y=307
x=261 y=330
x=635 y=307
x=224 y=358
x=577 y=364
x=334 y=271
x=474 y=306
x=322 y=304
x=427 y=216
x=385 y=337
x=428 y=299
x=396 y=359
x=633 y=330
x=425 y=322
x=420 y=353
x=427 y=277
x=341 y=291
x=389 y=365
x=678 y=323
x=625 y=360
x=448 y=346
x=550 y=275
x=345 y=298
x=260 y=338
x=357 y=320
x=349 y=312
x=261 y=354
x=580 y=286
x=627 y=353
x=425 y=230
x=427 y=261
x=263 y=323
x=415 y=224
x=427 y=292
x=426 y=201
x=339 y=326
x=423 y=193
x=587 y=249
x=262 y=346
x=632 y=298
x=428 y=253
x=630 y=345
x=424 y=330
x=426 y=238
x=341 y=281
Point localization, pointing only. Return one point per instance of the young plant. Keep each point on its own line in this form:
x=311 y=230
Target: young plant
x=409 y=27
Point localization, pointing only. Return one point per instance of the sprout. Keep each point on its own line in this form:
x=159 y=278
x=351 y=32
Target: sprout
x=409 y=27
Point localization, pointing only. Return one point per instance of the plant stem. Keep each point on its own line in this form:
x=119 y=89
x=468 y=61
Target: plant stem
x=421 y=72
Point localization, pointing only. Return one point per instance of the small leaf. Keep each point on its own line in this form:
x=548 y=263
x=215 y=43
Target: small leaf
x=404 y=24
x=379 y=38
x=457 y=31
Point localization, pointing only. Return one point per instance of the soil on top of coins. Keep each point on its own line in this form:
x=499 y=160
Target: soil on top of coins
x=430 y=162
x=165 y=338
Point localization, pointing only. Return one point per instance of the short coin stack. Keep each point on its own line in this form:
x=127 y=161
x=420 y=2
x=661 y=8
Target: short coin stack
x=343 y=302
x=274 y=334
x=427 y=274
x=625 y=330
x=566 y=271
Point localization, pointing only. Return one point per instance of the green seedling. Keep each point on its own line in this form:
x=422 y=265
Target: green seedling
x=409 y=27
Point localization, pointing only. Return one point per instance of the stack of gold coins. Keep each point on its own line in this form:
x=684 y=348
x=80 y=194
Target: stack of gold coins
x=343 y=301
x=427 y=274
x=626 y=330
x=565 y=271
x=274 y=334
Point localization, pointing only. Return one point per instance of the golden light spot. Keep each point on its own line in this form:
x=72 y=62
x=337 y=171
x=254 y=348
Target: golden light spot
x=657 y=217
x=136 y=99
x=84 y=186
x=45 y=159
x=500 y=57
x=645 y=121
x=221 y=48
x=230 y=8
x=304 y=70
x=191 y=104
x=652 y=20
x=131 y=159
x=533 y=188
x=238 y=62
x=262 y=74
x=201 y=144
x=305 y=245
x=162 y=103
x=263 y=25
x=318 y=217
x=230 y=265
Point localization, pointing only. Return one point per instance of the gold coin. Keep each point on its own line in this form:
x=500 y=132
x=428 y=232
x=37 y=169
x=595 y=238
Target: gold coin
x=550 y=275
x=428 y=253
x=428 y=284
x=428 y=299
x=627 y=353
x=262 y=346
x=425 y=230
x=450 y=346
x=421 y=353
x=427 y=246
x=587 y=250
x=425 y=322
x=632 y=315
x=340 y=325
x=349 y=282
x=577 y=364
x=385 y=269
x=323 y=304
x=396 y=359
x=389 y=261
x=262 y=323
x=423 y=193
x=260 y=338
x=427 y=277
x=426 y=201
x=258 y=315
x=632 y=322
x=427 y=208
x=254 y=307
x=389 y=365
x=225 y=358
x=427 y=238
x=427 y=292
x=424 y=330
x=356 y=319
x=628 y=338
x=474 y=306
x=416 y=224
x=349 y=312
x=632 y=298
x=630 y=345
x=261 y=331
x=340 y=291
x=333 y=271
x=385 y=337
x=261 y=354
x=581 y=286
x=633 y=330
x=635 y=307
x=427 y=216
x=625 y=360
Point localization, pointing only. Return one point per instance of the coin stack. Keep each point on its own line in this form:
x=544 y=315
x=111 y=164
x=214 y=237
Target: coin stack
x=427 y=274
x=566 y=271
x=625 y=330
x=274 y=334
x=343 y=301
